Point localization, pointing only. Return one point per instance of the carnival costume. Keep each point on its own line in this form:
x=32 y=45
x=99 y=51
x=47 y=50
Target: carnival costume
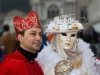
x=55 y=60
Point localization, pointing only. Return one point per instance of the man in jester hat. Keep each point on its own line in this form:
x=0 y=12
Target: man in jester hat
x=29 y=37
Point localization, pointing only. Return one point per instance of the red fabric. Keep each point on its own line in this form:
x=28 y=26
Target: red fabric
x=50 y=37
x=22 y=24
x=17 y=64
x=99 y=58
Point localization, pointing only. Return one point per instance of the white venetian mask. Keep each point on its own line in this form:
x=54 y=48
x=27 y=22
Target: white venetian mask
x=67 y=40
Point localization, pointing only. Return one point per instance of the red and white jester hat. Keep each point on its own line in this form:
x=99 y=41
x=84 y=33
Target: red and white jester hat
x=22 y=24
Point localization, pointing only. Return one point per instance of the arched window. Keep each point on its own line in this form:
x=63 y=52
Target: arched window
x=53 y=11
x=84 y=12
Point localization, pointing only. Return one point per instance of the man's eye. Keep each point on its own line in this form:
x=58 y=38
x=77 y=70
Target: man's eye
x=64 y=34
x=40 y=35
x=33 y=33
x=72 y=35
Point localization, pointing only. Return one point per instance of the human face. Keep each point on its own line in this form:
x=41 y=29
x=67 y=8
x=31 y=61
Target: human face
x=31 y=40
x=67 y=40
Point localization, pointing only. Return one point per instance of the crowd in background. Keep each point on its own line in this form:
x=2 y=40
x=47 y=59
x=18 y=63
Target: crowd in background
x=8 y=41
x=93 y=38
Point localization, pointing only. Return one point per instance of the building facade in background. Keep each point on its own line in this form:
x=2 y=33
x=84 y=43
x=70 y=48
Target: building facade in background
x=47 y=10
x=94 y=14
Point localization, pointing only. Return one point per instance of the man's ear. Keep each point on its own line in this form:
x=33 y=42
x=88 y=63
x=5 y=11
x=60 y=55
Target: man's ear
x=20 y=37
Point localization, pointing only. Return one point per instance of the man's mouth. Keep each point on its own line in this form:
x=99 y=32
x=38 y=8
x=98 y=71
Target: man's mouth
x=37 y=43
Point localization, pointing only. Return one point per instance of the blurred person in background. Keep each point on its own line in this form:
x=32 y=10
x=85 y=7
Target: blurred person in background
x=2 y=48
x=44 y=39
x=93 y=36
x=2 y=52
x=99 y=38
x=8 y=40
x=29 y=37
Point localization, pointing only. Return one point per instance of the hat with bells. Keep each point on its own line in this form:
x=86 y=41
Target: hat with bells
x=64 y=23
x=22 y=24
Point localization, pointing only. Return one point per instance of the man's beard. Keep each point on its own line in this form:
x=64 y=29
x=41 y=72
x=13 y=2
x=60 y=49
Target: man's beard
x=36 y=45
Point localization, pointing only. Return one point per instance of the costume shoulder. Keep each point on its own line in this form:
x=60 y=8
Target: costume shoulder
x=87 y=51
x=11 y=66
x=47 y=59
x=84 y=47
x=92 y=63
x=48 y=55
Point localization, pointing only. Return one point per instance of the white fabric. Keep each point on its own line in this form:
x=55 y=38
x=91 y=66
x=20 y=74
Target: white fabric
x=48 y=58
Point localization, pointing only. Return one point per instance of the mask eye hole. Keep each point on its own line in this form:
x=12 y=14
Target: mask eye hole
x=64 y=34
x=73 y=35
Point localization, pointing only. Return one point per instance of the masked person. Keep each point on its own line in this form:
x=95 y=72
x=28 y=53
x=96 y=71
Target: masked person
x=29 y=36
x=67 y=54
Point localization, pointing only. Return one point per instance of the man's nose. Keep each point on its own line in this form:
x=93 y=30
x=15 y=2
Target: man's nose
x=38 y=37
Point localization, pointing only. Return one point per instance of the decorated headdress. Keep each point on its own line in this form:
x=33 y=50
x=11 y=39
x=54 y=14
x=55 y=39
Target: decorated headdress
x=22 y=24
x=64 y=23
